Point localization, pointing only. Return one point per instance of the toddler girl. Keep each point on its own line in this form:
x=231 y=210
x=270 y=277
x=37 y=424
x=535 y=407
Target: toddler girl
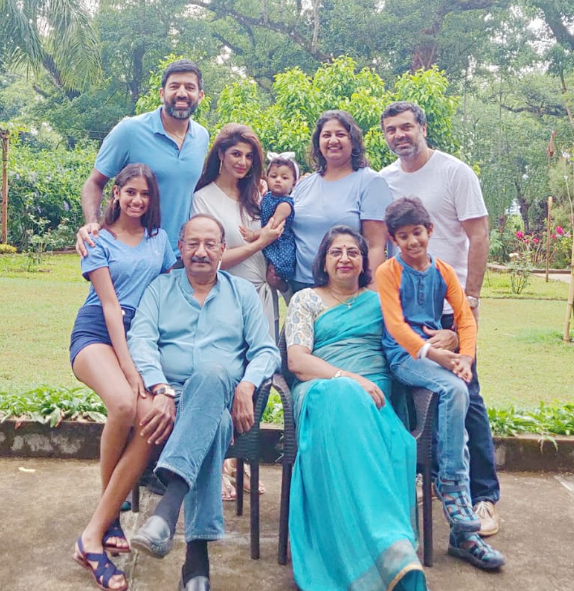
x=282 y=174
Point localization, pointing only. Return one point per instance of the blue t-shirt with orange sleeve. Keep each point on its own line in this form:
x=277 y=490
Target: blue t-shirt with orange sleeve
x=132 y=268
x=411 y=299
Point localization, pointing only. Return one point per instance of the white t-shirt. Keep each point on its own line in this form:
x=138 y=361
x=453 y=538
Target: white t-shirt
x=450 y=191
x=212 y=200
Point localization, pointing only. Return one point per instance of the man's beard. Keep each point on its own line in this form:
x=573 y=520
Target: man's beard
x=180 y=113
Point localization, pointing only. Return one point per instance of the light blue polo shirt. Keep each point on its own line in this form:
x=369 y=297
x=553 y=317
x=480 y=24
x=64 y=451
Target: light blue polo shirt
x=143 y=139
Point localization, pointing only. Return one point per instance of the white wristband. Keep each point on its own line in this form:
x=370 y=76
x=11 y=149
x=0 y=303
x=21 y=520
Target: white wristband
x=338 y=374
x=423 y=351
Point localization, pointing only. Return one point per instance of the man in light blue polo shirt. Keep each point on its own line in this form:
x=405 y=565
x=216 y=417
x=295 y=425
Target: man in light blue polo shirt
x=167 y=140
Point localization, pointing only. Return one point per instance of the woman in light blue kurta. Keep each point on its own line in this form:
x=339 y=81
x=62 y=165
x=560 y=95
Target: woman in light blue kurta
x=353 y=506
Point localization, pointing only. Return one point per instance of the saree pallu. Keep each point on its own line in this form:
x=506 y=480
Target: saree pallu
x=353 y=505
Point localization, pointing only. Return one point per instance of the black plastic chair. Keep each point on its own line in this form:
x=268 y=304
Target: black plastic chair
x=425 y=405
x=245 y=448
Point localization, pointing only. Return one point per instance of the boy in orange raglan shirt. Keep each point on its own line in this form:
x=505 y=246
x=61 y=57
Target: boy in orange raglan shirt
x=412 y=287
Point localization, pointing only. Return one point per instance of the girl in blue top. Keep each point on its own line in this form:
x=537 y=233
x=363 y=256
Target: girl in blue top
x=130 y=251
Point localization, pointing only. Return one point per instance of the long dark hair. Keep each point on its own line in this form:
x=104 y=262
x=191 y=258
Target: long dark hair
x=230 y=135
x=358 y=157
x=319 y=274
x=151 y=219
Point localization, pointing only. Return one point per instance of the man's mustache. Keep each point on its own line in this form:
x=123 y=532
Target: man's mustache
x=196 y=259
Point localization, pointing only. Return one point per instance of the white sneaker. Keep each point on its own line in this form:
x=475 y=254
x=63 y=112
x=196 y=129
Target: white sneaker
x=489 y=518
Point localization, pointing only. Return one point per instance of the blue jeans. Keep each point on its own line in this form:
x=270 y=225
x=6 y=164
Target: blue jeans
x=452 y=408
x=484 y=485
x=196 y=448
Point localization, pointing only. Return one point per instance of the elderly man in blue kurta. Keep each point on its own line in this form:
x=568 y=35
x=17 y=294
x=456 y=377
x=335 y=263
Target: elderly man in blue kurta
x=200 y=340
x=167 y=140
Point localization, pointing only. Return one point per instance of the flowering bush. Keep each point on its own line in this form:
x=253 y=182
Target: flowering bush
x=532 y=247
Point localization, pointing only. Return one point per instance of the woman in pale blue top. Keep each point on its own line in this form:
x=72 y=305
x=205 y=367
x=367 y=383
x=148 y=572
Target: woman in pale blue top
x=343 y=190
x=130 y=251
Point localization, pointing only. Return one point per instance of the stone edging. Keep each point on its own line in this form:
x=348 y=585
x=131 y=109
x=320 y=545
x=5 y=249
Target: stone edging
x=80 y=440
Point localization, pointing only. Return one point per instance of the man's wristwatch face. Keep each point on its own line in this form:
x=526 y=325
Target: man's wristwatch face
x=166 y=391
x=472 y=302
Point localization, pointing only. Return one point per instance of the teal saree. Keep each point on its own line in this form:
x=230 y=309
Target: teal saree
x=353 y=506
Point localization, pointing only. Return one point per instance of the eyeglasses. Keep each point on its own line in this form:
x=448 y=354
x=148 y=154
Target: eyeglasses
x=337 y=253
x=209 y=245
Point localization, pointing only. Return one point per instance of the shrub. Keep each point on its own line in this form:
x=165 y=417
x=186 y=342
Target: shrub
x=7 y=249
x=45 y=188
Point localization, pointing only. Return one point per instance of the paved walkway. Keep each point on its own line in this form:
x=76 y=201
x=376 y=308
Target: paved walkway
x=45 y=503
x=564 y=277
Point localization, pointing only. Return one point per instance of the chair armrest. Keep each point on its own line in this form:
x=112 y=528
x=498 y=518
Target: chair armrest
x=260 y=398
x=289 y=438
x=425 y=403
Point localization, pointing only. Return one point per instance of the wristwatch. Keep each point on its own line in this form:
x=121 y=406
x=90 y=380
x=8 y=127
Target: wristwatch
x=472 y=302
x=165 y=390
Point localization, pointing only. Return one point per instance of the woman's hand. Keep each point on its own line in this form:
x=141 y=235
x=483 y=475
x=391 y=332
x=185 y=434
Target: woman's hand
x=135 y=381
x=269 y=233
x=369 y=387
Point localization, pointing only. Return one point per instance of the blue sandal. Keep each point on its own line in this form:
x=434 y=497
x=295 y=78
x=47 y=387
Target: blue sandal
x=115 y=531
x=103 y=572
x=474 y=549
x=457 y=506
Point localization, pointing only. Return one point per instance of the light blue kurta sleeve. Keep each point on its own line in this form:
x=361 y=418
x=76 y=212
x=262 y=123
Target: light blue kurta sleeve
x=262 y=355
x=143 y=338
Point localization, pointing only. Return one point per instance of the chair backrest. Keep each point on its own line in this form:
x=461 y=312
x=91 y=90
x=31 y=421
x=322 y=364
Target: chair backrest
x=287 y=375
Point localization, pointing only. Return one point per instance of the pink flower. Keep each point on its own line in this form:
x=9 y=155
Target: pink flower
x=520 y=235
x=527 y=241
x=559 y=230
x=535 y=240
x=553 y=236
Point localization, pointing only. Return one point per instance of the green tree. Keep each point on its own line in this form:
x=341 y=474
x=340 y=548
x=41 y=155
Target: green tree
x=286 y=121
x=57 y=37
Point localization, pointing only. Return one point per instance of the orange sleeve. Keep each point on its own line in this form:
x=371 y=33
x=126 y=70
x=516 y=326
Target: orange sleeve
x=388 y=279
x=463 y=316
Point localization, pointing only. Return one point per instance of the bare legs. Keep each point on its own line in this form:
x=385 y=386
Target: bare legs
x=122 y=459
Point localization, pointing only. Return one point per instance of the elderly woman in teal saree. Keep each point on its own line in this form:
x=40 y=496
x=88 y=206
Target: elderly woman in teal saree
x=353 y=505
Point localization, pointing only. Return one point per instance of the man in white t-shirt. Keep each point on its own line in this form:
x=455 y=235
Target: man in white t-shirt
x=451 y=192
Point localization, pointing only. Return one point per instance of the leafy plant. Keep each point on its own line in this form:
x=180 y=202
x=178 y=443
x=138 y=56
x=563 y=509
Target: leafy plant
x=52 y=404
x=274 y=410
x=545 y=420
x=7 y=249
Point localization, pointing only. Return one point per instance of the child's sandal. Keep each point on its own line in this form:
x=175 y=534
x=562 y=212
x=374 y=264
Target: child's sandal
x=457 y=506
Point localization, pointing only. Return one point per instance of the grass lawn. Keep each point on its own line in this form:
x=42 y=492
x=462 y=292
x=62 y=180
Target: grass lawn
x=522 y=358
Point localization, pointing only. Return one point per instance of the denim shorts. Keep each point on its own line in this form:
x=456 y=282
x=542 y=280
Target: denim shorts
x=90 y=327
